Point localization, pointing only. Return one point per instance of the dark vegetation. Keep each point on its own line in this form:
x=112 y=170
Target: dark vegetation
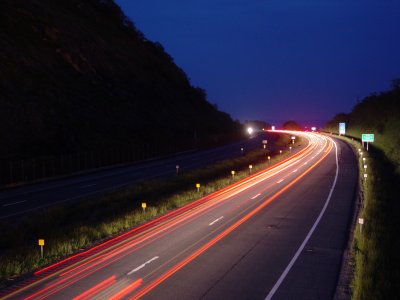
x=376 y=248
x=71 y=227
x=76 y=76
x=291 y=125
x=378 y=114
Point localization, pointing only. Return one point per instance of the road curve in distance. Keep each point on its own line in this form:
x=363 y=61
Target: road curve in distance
x=278 y=234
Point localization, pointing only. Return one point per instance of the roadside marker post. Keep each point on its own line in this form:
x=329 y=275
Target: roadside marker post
x=144 y=206
x=250 y=167
x=233 y=175
x=177 y=169
x=41 y=244
x=361 y=222
x=269 y=159
x=198 y=187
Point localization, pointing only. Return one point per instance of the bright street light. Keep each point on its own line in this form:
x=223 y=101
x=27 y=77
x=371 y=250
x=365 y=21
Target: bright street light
x=250 y=130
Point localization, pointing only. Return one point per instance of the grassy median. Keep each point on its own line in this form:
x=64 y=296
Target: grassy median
x=69 y=228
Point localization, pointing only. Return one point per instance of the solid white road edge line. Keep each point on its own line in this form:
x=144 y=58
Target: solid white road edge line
x=215 y=221
x=254 y=197
x=280 y=181
x=297 y=254
x=143 y=265
x=9 y=204
x=88 y=185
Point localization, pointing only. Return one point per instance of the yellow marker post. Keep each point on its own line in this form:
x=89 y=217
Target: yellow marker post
x=233 y=174
x=41 y=244
x=144 y=206
x=250 y=167
x=269 y=159
x=265 y=146
x=198 y=187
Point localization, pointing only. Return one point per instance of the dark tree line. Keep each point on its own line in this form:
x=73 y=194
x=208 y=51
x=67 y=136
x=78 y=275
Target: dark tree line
x=379 y=114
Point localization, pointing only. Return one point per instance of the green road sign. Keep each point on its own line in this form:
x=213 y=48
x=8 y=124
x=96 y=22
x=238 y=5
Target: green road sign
x=367 y=137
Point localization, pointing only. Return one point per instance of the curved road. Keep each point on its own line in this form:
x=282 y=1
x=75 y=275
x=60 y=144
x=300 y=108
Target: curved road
x=278 y=234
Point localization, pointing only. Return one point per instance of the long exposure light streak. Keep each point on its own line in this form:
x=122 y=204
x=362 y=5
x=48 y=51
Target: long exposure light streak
x=209 y=244
x=77 y=267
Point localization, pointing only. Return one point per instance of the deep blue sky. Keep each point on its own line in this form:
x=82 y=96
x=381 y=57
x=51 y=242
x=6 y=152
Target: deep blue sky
x=276 y=59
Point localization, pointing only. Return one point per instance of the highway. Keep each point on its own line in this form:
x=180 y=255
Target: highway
x=15 y=202
x=278 y=234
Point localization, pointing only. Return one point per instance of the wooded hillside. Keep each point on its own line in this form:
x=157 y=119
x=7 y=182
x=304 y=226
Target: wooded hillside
x=76 y=75
x=378 y=114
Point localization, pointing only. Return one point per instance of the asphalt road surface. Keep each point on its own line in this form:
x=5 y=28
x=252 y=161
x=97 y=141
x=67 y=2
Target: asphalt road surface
x=278 y=234
x=16 y=202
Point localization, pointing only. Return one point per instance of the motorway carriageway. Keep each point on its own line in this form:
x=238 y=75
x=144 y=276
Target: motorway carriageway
x=19 y=201
x=200 y=250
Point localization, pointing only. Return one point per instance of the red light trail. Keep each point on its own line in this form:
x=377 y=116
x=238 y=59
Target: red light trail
x=74 y=269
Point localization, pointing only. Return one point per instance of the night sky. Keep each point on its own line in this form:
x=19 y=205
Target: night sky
x=278 y=60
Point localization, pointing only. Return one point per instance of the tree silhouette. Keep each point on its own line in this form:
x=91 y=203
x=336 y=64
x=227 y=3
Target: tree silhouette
x=291 y=125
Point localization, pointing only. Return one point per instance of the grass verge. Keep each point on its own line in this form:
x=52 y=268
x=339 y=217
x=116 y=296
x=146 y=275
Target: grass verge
x=69 y=228
x=375 y=245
